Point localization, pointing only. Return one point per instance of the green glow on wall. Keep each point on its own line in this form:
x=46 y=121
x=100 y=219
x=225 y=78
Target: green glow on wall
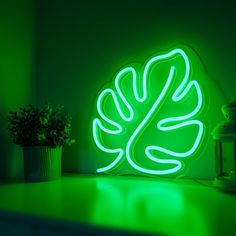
x=128 y=109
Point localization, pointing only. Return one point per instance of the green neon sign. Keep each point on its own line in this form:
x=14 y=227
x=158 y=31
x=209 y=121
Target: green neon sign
x=131 y=121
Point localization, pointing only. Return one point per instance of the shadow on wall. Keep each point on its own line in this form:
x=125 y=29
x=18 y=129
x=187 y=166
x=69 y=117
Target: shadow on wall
x=16 y=59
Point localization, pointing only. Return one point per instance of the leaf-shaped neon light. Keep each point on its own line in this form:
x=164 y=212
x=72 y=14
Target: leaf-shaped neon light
x=128 y=113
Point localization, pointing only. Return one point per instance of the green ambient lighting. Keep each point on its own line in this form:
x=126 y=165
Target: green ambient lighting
x=123 y=111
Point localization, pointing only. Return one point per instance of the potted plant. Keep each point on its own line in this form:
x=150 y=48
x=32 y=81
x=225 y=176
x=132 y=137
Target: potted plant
x=42 y=132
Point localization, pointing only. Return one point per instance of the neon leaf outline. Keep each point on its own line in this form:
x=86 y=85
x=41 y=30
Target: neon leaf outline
x=179 y=94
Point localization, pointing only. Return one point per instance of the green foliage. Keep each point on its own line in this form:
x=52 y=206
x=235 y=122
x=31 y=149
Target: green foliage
x=43 y=126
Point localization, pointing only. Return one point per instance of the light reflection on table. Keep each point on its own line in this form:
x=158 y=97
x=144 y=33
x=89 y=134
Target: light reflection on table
x=140 y=204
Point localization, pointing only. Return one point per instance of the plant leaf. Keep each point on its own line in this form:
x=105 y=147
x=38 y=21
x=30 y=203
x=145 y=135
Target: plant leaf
x=162 y=103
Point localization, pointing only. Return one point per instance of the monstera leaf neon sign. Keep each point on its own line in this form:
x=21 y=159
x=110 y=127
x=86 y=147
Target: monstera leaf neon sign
x=143 y=105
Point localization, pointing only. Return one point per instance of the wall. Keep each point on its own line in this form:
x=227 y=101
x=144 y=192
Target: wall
x=80 y=45
x=16 y=75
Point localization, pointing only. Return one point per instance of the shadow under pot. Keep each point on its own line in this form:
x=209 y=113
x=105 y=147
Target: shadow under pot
x=42 y=163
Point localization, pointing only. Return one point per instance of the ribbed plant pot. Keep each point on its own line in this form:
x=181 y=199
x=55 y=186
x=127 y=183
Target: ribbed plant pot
x=42 y=163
